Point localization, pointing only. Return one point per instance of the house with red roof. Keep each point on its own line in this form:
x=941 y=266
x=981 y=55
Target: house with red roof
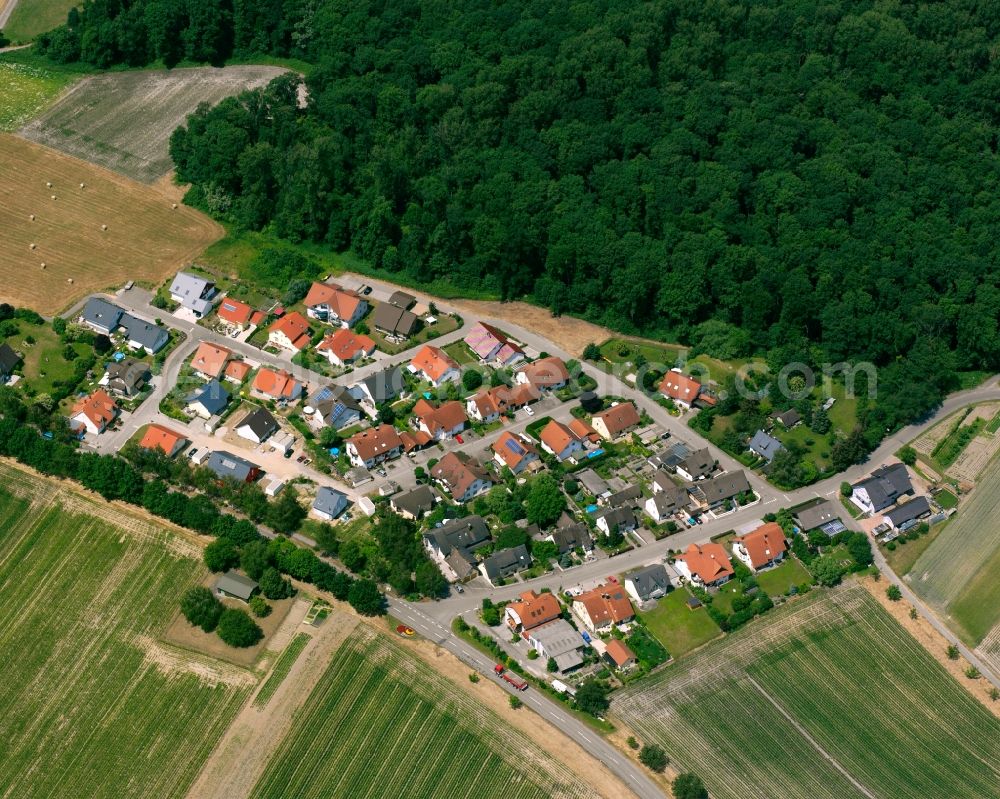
x=209 y=360
x=603 y=607
x=683 y=390
x=290 y=332
x=545 y=374
x=237 y=371
x=276 y=384
x=94 y=413
x=515 y=452
x=619 y=655
x=705 y=565
x=531 y=610
x=461 y=476
x=616 y=420
x=238 y=314
x=761 y=548
x=334 y=304
x=374 y=446
x=560 y=441
x=489 y=405
x=446 y=420
x=491 y=345
x=434 y=365
x=345 y=347
x=164 y=439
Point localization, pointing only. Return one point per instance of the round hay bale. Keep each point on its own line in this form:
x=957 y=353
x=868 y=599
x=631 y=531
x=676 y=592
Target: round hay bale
x=31 y=217
x=104 y=227
x=48 y=185
x=83 y=185
x=174 y=206
x=43 y=264
x=69 y=280
x=53 y=196
x=32 y=246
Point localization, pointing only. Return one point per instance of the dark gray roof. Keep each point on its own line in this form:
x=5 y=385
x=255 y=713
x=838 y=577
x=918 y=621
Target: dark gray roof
x=330 y=501
x=101 y=313
x=699 y=463
x=236 y=584
x=213 y=396
x=816 y=515
x=419 y=500
x=402 y=300
x=618 y=517
x=394 y=320
x=465 y=533
x=145 y=334
x=507 y=561
x=914 y=509
x=593 y=482
x=8 y=359
x=571 y=537
x=336 y=405
x=624 y=496
x=886 y=485
x=384 y=385
x=764 y=445
x=462 y=562
x=261 y=422
x=229 y=466
x=127 y=374
x=649 y=580
x=788 y=418
x=671 y=500
x=724 y=487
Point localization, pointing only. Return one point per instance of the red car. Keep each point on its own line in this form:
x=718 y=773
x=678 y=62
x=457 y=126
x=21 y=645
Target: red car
x=459 y=439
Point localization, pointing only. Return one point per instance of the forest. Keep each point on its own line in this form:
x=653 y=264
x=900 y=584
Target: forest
x=806 y=181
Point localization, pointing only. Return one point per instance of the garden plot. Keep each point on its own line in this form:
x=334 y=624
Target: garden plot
x=123 y=120
x=926 y=443
x=827 y=697
x=974 y=458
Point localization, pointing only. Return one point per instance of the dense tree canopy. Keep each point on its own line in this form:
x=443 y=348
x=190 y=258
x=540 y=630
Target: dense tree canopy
x=816 y=182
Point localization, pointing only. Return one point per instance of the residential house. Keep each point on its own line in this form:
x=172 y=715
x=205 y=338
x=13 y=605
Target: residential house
x=208 y=401
x=381 y=387
x=257 y=426
x=442 y=422
x=210 y=360
x=142 y=335
x=276 y=384
x=696 y=466
x=345 y=347
x=665 y=503
x=8 y=362
x=414 y=504
x=290 y=332
x=715 y=491
x=558 y=641
x=330 y=303
x=593 y=483
x=545 y=374
x=584 y=431
x=531 y=610
x=233 y=585
x=489 y=405
x=395 y=322
x=822 y=515
x=402 y=300
x=908 y=513
x=621 y=519
x=514 y=451
x=648 y=583
x=193 y=292
x=94 y=413
x=237 y=371
x=619 y=655
x=164 y=439
x=434 y=365
x=461 y=476
x=100 y=315
x=126 y=378
x=683 y=390
x=374 y=446
x=489 y=344
x=414 y=440
x=787 y=419
x=329 y=503
x=336 y=407
x=227 y=466
x=603 y=607
x=882 y=489
x=571 y=537
x=761 y=548
x=616 y=420
x=765 y=446
x=626 y=496
x=504 y=563
x=560 y=441
x=452 y=545
x=704 y=565
x=238 y=314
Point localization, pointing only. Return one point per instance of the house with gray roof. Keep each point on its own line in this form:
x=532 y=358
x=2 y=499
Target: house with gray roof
x=232 y=467
x=101 y=315
x=666 y=502
x=8 y=361
x=257 y=426
x=462 y=563
x=593 y=483
x=713 y=492
x=394 y=321
x=335 y=406
x=504 y=563
x=193 y=292
x=765 y=446
x=402 y=300
x=822 y=515
x=143 y=335
x=234 y=585
x=625 y=496
x=382 y=386
x=329 y=503
x=571 y=537
x=697 y=465
x=414 y=504
x=126 y=377
x=468 y=533
x=208 y=400
x=884 y=488
x=622 y=519
x=908 y=514
x=650 y=582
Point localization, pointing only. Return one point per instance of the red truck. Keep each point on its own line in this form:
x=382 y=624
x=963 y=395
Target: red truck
x=512 y=679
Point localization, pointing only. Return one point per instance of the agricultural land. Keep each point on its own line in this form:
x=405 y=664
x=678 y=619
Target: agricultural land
x=28 y=18
x=396 y=728
x=145 y=239
x=93 y=704
x=123 y=121
x=26 y=90
x=828 y=698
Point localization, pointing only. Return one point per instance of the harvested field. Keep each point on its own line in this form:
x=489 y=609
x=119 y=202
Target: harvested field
x=926 y=443
x=402 y=730
x=974 y=458
x=989 y=648
x=828 y=697
x=146 y=239
x=91 y=702
x=123 y=120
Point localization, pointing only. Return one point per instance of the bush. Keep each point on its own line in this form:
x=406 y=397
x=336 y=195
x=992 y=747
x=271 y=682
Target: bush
x=221 y=555
x=653 y=757
x=274 y=586
x=515 y=703
x=201 y=608
x=894 y=593
x=472 y=379
x=632 y=742
x=259 y=607
x=952 y=652
x=845 y=489
x=366 y=599
x=237 y=629
x=689 y=786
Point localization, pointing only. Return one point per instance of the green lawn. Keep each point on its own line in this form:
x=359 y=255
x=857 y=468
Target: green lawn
x=381 y=723
x=26 y=90
x=44 y=365
x=677 y=627
x=85 y=709
x=459 y=350
x=946 y=499
x=31 y=17
x=777 y=581
x=906 y=553
x=617 y=350
x=727 y=594
x=758 y=713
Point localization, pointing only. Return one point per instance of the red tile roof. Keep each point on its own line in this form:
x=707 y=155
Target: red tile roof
x=708 y=561
x=295 y=327
x=445 y=418
x=210 y=359
x=344 y=303
x=458 y=472
x=764 y=544
x=278 y=384
x=376 y=441
x=583 y=430
x=99 y=407
x=619 y=652
x=680 y=387
x=545 y=372
x=433 y=362
x=557 y=436
x=162 y=438
x=619 y=418
x=237 y=370
x=535 y=609
x=347 y=346
x=606 y=603
x=513 y=449
x=235 y=312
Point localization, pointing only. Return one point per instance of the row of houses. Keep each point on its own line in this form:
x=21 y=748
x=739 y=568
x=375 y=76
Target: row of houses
x=105 y=317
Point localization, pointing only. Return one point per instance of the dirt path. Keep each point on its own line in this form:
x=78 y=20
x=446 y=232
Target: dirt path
x=240 y=758
x=931 y=640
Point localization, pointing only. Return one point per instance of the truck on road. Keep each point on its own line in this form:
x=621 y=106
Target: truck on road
x=509 y=678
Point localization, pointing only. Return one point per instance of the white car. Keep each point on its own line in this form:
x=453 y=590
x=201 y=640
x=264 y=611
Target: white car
x=529 y=411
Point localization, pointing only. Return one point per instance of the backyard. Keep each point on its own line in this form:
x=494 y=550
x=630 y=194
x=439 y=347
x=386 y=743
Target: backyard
x=679 y=628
